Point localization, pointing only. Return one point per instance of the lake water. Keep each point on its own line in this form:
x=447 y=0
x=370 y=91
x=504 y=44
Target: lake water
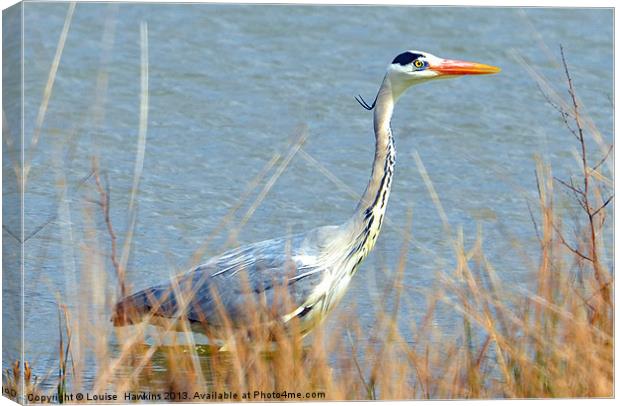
x=229 y=87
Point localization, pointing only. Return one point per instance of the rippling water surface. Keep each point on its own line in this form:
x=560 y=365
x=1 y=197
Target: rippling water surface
x=230 y=86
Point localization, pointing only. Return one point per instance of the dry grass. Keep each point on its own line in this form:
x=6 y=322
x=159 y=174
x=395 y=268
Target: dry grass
x=553 y=341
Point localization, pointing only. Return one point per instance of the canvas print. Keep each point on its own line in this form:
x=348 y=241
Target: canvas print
x=235 y=202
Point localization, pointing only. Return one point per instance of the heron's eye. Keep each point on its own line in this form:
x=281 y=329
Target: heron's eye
x=418 y=63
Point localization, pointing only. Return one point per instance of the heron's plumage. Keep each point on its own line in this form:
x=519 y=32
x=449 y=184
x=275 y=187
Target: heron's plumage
x=297 y=262
x=313 y=268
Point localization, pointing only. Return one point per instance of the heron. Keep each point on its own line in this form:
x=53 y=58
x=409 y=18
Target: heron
x=315 y=267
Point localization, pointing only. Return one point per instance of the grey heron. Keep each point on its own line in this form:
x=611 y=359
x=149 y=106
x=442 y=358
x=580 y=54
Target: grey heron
x=314 y=268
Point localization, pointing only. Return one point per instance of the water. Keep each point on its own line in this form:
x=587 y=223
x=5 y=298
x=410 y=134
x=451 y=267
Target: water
x=229 y=87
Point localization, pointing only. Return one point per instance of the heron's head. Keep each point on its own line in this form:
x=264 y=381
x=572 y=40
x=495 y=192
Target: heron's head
x=413 y=67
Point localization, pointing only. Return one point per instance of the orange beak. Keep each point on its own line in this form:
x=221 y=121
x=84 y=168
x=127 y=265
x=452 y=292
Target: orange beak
x=456 y=68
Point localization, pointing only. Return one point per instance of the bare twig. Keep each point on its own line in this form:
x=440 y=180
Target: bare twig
x=529 y=209
x=104 y=203
x=570 y=186
x=609 y=199
x=582 y=195
x=602 y=161
x=567 y=245
x=563 y=114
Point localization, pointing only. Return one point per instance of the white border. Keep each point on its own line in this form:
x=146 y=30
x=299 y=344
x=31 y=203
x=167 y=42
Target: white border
x=485 y=3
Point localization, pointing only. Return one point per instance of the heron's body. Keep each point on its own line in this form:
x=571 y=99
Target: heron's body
x=314 y=268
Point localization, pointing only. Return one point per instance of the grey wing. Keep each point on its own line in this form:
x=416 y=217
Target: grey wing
x=238 y=278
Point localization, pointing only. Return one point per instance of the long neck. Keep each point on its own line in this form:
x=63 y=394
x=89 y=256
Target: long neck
x=368 y=217
x=382 y=168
